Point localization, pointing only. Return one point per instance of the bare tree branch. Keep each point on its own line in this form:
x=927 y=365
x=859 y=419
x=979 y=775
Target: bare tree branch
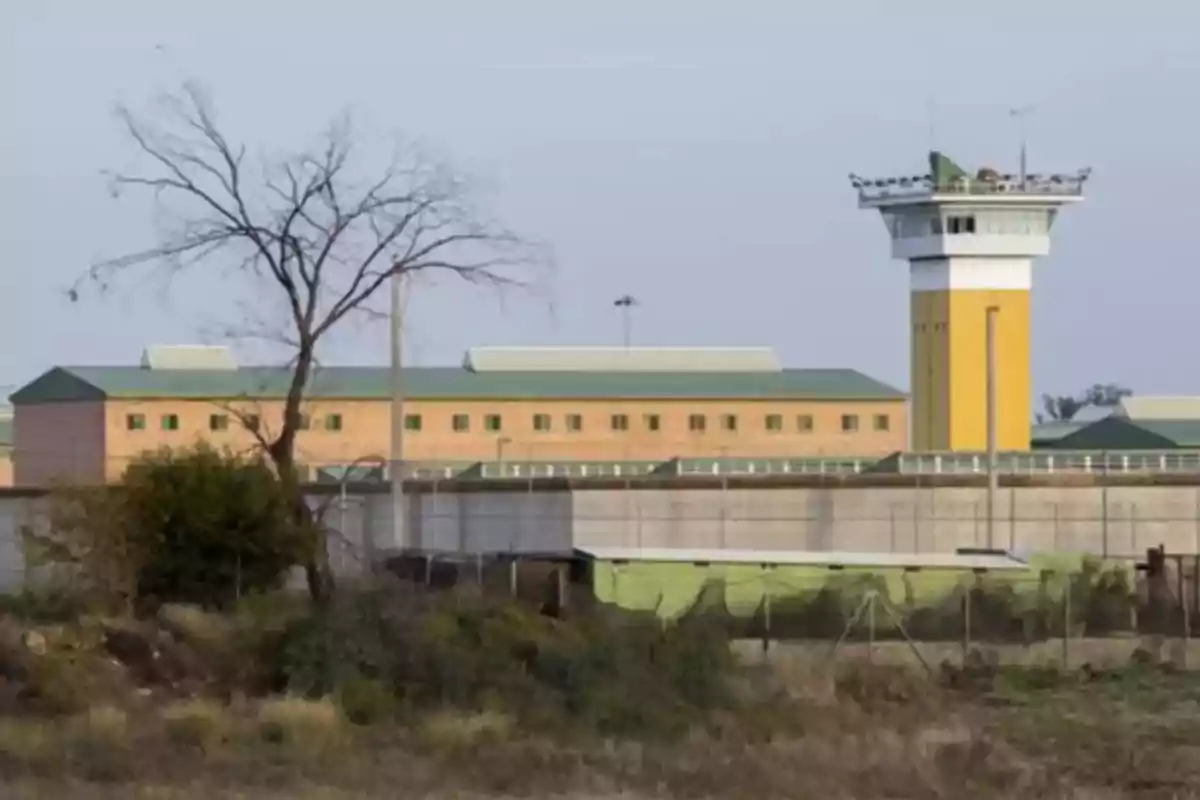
x=322 y=239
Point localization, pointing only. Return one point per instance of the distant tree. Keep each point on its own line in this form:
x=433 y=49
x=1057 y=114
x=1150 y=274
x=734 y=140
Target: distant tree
x=315 y=236
x=1063 y=408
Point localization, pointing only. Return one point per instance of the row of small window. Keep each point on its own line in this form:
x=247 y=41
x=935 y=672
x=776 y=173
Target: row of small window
x=697 y=423
x=220 y=422
x=542 y=423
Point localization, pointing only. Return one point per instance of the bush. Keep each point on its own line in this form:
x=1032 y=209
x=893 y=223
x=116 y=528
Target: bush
x=366 y=701
x=197 y=723
x=608 y=670
x=192 y=526
x=309 y=725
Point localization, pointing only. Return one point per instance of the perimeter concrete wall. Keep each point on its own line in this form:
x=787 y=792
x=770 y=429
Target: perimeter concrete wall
x=1114 y=521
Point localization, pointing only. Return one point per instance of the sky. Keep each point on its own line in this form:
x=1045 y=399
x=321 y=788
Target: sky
x=692 y=154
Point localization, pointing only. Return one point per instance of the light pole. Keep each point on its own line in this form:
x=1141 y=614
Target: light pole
x=992 y=480
x=626 y=302
x=396 y=456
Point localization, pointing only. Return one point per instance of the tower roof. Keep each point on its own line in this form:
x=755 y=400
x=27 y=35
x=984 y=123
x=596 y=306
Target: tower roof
x=947 y=181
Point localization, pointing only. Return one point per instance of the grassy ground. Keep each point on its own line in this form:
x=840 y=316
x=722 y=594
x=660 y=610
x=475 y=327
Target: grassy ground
x=1106 y=652
x=876 y=732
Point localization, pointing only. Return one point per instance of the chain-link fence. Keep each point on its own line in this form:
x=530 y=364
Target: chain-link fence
x=1098 y=615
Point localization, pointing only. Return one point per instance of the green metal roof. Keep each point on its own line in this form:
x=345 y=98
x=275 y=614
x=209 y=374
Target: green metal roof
x=68 y=384
x=1046 y=432
x=1118 y=433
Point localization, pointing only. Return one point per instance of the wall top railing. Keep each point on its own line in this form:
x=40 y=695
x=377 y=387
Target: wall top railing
x=1047 y=462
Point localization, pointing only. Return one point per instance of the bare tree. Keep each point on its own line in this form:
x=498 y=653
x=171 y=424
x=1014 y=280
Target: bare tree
x=1064 y=408
x=322 y=241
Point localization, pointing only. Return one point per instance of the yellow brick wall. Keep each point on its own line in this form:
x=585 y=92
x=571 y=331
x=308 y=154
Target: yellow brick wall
x=949 y=369
x=366 y=430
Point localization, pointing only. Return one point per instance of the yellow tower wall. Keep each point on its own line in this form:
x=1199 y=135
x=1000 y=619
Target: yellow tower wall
x=950 y=299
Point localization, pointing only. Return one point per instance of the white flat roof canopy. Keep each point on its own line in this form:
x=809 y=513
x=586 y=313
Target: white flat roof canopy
x=622 y=359
x=833 y=558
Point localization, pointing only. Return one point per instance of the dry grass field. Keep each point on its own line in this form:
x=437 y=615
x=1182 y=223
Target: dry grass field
x=874 y=731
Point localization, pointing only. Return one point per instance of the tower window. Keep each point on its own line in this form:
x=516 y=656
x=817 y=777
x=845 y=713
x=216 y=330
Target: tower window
x=960 y=224
x=575 y=422
x=849 y=423
x=620 y=422
x=696 y=423
x=882 y=422
x=773 y=422
x=653 y=422
x=460 y=423
x=804 y=423
x=541 y=423
x=729 y=423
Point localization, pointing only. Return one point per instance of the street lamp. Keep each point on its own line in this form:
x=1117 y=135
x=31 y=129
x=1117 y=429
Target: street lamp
x=626 y=303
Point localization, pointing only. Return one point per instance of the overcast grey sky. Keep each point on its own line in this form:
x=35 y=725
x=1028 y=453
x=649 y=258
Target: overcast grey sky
x=693 y=154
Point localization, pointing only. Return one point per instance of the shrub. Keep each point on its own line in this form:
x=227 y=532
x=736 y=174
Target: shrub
x=450 y=729
x=193 y=526
x=309 y=725
x=607 y=669
x=366 y=701
x=98 y=742
x=197 y=723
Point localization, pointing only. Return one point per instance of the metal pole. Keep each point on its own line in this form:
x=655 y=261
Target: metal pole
x=396 y=456
x=626 y=304
x=992 y=481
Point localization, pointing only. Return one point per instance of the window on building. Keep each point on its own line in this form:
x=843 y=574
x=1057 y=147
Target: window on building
x=135 y=422
x=541 y=423
x=460 y=423
x=333 y=422
x=883 y=422
x=960 y=224
x=218 y=422
x=253 y=422
x=492 y=422
x=170 y=422
x=653 y=422
x=697 y=423
x=804 y=423
x=773 y=422
x=849 y=423
x=620 y=422
x=574 y=422
x=729 y=423
x=412 y=422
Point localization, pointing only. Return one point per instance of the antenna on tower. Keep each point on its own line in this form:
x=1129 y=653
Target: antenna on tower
x=931 y=119
x=1019 y=114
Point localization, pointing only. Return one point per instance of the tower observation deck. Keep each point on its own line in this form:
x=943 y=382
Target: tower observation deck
x=970 y=241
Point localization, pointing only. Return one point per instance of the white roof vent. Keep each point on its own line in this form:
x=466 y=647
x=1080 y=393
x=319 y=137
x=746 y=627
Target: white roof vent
x=188 y=356
x=622 y=359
